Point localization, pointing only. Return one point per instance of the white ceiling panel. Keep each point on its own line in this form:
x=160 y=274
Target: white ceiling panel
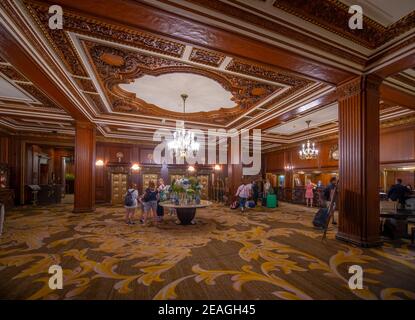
x=317 y=118
x=11 y=92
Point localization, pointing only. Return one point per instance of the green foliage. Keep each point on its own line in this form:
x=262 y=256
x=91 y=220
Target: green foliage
x=177 y=188
x=69 y=176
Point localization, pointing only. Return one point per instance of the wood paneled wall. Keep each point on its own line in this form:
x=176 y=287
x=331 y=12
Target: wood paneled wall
x=107 y=152
x=276 y=161
x=397 y=146
x=4 y=149
x=10 y=153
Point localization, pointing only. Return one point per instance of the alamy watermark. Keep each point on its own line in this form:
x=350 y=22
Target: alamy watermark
x=214 y=148
x=56 y=18
x=356 y=280
x=56 y=280
x=356 y=20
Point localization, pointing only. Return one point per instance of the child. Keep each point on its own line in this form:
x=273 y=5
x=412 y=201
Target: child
x=130 y=203
x=150 y=201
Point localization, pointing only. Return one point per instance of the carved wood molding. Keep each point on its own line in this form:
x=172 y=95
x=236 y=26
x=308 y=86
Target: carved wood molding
x=333 y=15
x=206 y=57
x=115 y=66
x=274 y=24
x=358 y=85
x=87 y=25
x=26 y=85
x=256 y=70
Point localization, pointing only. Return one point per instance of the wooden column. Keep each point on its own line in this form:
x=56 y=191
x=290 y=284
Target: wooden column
x=358 y=201
x=84 y=167
x=234 y=177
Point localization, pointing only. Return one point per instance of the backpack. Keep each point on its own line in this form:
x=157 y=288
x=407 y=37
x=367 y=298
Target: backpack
x=146 y=196
x=129 y=199
x=149 y=195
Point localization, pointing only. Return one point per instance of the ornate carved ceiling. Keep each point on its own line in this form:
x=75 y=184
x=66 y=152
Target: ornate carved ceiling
x=98 y=55
x=334 y=16
x=115 y=66
x=116 y=55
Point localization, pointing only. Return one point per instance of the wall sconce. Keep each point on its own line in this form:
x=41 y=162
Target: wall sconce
x=99 y=163
x=191 y=169
x=217 y=167
x=135 y=167
x=288 y=167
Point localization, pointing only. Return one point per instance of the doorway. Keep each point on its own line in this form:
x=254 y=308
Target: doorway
x=118 y=187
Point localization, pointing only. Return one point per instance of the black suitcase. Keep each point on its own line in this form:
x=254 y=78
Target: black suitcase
x=160 y=210
x=320 y=219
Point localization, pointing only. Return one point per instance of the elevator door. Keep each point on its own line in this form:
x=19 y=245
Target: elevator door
x=147 y=178
x=118 y=187
x=204 y=181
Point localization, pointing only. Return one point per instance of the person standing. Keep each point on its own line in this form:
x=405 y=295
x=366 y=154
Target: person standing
x=327 y=194
x=398 y=192
x=161 y=191
x=150 y=202
x=243 y=194
x=267 y=187
x=130 y=203
x=255 y=192
x=309 y=194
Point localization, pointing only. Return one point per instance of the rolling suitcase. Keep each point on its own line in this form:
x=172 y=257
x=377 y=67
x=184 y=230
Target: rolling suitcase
x=271 y=201
x=320 y=219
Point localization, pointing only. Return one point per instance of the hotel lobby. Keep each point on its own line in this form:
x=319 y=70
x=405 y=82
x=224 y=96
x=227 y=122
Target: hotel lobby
x=184 y=150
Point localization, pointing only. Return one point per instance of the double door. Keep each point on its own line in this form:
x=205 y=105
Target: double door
x=118 y=187
x=149 y=177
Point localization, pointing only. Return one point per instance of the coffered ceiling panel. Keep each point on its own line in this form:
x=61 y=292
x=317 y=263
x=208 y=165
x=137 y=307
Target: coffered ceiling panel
x=204 y=94
x=10 y=92
x=318 y=118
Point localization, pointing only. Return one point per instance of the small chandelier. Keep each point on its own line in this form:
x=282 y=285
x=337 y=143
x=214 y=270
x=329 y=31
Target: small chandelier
x=308 y=150
x=184 y=143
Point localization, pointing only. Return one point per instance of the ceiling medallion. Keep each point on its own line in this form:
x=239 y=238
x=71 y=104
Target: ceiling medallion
x=308 y=150
x=184 y=143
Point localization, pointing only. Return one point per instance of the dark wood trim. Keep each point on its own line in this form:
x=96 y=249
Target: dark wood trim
x=22 y=61
x=149 y=18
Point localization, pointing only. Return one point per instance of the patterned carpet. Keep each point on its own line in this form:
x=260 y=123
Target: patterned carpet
x=264 y=254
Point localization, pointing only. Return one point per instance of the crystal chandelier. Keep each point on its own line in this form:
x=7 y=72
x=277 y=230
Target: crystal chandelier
x=184 y=143
x=308 y=150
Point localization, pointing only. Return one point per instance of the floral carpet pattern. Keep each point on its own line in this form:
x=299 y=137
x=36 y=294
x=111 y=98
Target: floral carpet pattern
x=262 y=254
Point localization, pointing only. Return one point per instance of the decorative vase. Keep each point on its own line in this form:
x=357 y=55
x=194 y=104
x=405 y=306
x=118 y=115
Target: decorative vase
x=182 y=198
x=197 y=199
